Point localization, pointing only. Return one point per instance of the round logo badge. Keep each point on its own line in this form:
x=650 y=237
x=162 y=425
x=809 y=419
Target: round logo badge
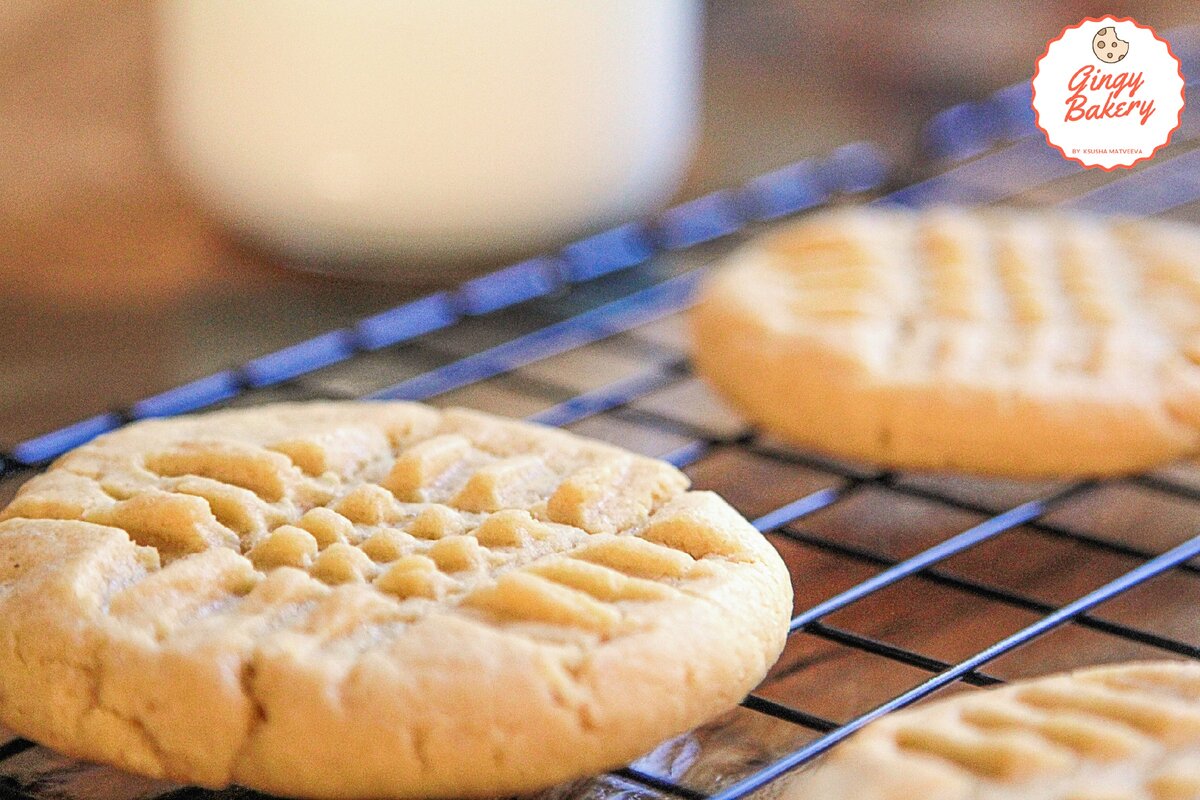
x=1108 y=92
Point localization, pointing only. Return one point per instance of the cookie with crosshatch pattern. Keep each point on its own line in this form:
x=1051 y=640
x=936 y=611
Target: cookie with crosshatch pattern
x=1120 y=732
x=374 y=600
x=1023 y=343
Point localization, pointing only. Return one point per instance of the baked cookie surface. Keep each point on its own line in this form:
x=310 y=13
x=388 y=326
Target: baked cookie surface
x=995 y=341
x=1127 y=731
x=374 y=600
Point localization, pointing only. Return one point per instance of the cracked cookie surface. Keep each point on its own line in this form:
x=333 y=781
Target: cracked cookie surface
x=995 y=341
x=374 y=600
x=1125 y=732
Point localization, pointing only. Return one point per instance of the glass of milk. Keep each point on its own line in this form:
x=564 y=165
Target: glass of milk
x=381 y=136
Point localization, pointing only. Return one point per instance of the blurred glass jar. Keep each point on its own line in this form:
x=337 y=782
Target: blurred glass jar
x=375 y=134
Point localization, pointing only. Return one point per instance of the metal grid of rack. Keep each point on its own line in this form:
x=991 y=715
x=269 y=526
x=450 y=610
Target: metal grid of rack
x=907 y=585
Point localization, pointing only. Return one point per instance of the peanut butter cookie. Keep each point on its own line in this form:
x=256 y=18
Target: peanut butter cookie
x=374 y=600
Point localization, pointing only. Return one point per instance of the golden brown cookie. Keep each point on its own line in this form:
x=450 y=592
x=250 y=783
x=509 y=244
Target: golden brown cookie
x=994 y=341
x=1124 y=732
x=374 y=600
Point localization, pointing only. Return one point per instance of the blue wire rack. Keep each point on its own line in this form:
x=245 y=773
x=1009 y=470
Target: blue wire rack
x=607 y=291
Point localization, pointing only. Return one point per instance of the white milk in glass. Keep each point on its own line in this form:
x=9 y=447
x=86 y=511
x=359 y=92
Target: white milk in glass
x=383 y=136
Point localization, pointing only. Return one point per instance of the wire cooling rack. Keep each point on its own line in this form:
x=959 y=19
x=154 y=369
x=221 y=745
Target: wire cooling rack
x=907 y=585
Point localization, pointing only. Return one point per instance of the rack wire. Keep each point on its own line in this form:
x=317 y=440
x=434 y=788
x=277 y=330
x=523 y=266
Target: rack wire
x=907 y=585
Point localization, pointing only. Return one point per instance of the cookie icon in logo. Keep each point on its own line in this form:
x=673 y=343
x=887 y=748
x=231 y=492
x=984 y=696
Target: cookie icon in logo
x=1107 y=47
